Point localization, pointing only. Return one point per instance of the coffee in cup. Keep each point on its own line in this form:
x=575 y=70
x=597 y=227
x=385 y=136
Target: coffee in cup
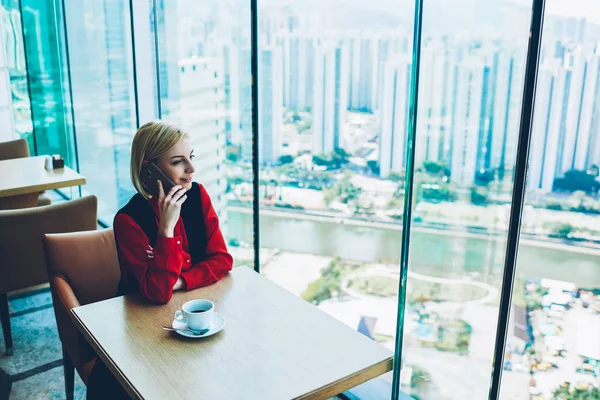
x=197 y=314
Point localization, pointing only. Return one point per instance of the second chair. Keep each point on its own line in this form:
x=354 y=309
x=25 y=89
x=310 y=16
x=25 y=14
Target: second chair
x=21 y=233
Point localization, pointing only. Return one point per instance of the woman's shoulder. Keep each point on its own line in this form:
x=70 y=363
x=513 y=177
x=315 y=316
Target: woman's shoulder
x=136 y=201
x=136 y=208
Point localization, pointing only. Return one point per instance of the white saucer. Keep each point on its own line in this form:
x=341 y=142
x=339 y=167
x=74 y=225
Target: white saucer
x=217 y=325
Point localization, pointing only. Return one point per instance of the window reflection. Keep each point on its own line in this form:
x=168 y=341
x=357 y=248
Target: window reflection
x=14 y=81
x=101 y=66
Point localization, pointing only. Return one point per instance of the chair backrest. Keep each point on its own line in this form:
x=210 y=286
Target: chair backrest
x=21 y=233
x=14 y=149
x=87 y=261
x=83 y=268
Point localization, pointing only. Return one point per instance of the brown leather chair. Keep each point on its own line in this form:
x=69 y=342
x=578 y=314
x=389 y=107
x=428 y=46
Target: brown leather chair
x=21 y=245
x=19 y=149
x=83 y=268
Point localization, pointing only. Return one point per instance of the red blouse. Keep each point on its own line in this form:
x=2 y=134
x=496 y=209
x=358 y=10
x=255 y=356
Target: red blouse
x=171 y=260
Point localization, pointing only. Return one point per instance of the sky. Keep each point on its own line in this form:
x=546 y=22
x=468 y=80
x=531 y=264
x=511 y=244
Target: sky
x=590 y=9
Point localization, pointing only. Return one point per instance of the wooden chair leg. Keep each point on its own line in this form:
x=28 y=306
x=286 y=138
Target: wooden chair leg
x=69 y=370
x=5 y=317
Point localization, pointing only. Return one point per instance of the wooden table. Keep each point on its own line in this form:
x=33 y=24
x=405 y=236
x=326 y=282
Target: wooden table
x=274 y=345
x=22 y=179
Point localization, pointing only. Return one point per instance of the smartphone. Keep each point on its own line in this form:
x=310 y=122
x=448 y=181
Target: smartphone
x=151 y=174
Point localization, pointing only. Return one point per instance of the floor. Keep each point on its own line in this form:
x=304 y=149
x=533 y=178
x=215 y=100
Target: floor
x=34 y=371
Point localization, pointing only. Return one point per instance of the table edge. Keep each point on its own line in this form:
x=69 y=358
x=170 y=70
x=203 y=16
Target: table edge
x=78 y=181
x=350 y=381
x=101 y=353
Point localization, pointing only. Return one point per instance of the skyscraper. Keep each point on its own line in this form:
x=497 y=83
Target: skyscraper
x=394 y=116
x=575 y=65
x=429 y=122
x=590 y=100
x=539 y=154
x=593 y=157
x=330 y=98
x=363 y=71
x=245 y=105
x=505 y=111
x=270 y=99
x=556 y=127
x=231 y=88
x=298 y=64
x=466 y=120
x=202 y=114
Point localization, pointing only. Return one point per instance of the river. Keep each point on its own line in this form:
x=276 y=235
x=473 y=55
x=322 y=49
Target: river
x=438 y=253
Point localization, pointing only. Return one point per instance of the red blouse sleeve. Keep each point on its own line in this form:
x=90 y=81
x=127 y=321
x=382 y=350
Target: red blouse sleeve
x=156 y=276
x=218 y=261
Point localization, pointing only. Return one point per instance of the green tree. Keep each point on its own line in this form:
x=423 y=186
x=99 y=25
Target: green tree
x=232 y=153
x=432 y=167
x=566 y=391
x=327 y=285
x=344 y=189
x=333 y=160
x=574 y=180
x=395 y=177
x=373 y=166
x=286 y=159
x=436 y=192
x=478 y=195
x=561 y=230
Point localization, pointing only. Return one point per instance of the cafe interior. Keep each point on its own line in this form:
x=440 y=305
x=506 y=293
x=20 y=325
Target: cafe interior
x=343 y=283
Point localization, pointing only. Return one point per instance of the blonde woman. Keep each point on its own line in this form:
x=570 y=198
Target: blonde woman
x=166 y=241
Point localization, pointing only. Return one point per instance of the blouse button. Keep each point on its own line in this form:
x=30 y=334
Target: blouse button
x=188 y=261
x=178 y=242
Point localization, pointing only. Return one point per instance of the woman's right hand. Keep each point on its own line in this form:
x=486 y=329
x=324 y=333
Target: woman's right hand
x=169 y=207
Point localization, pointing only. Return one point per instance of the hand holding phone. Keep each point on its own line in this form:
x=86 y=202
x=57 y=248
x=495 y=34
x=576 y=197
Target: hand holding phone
x=170 y=197
x=169 y=208
x=151 y=174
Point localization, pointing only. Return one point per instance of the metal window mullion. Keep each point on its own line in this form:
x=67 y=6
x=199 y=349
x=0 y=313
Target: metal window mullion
x=142 y=44
x=518 y=198
x=408 y=194
x=156 y=60
x=255 y=132
x=63 y=12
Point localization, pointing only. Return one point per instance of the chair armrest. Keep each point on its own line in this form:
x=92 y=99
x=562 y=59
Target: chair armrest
x=64 y=293
x=73 y=342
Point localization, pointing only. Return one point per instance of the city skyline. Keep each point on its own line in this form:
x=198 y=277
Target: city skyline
x=486 y=75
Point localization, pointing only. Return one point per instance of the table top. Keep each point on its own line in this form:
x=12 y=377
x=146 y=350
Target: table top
x=27 y=175
x=274 y=345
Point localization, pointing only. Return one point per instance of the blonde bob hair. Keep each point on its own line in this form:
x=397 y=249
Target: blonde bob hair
x=150 y=142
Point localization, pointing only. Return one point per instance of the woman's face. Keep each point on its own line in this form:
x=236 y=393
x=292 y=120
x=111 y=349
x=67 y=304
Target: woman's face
x=177 y=163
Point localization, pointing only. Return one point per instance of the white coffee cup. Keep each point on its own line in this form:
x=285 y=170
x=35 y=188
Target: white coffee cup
x=197 y=314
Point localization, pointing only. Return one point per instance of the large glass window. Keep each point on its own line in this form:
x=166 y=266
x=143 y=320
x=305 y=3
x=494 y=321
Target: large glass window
x=470 y=91
x=15 y=69
x=205 y=87
x=101 y=71
x=554 y=331
x=46 y=71
x=333 y=106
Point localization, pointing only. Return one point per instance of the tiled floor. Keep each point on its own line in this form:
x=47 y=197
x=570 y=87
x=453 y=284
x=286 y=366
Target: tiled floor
x=35 y=370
